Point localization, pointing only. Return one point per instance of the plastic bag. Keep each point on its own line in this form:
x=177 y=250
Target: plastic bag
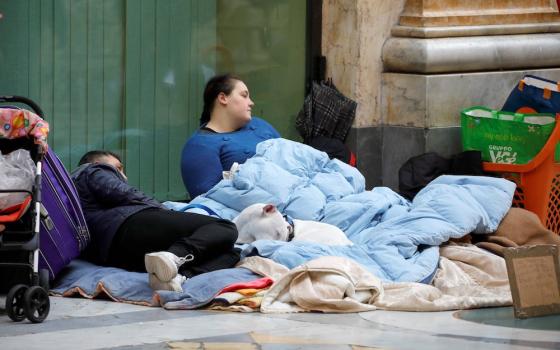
x=17 y=172
x=504 y=137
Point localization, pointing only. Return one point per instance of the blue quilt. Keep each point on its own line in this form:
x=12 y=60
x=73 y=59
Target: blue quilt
x=395 y=239
x=90 y=281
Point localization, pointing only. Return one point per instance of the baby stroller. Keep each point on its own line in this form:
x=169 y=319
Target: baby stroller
x=19 y=242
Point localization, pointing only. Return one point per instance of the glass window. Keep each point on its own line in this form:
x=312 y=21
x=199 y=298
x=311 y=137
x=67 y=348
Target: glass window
x=128 y=75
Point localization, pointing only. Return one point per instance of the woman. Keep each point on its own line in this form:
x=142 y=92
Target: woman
x=227 y=134
x=133 y=231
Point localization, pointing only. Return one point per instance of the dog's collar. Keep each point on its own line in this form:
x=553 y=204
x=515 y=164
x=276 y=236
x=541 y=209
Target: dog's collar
x=291 y=235
x=290 y=228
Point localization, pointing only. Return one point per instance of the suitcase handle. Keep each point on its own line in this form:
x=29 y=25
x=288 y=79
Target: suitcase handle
x=25 y=101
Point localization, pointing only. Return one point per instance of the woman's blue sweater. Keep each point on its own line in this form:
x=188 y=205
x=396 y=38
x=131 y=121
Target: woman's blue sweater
x=206 y=153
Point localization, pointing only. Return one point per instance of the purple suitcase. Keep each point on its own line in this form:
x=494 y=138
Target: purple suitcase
x=64 y=233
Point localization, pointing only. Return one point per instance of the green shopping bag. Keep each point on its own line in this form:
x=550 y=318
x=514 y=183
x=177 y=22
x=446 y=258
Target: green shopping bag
x=505 y=137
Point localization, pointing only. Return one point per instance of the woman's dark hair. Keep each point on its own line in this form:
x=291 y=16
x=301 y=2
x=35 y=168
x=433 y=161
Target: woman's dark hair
x=221 y=83
x=92 y=156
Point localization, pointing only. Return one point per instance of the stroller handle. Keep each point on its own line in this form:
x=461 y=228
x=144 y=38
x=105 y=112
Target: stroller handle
x=24 y=100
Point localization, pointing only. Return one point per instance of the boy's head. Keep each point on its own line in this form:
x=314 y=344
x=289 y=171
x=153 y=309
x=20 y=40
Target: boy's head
x=103 y=157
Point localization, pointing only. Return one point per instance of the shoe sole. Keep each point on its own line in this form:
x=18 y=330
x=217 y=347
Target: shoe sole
x=159 y=267
x=156 y=284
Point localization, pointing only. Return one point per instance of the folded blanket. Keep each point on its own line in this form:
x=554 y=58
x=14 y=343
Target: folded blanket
x=328 y=284
x=244 y=300
x=395 y=240
x=90 y=281
x=261 y=283
x=519 y=227
x=242 y=297
x=228 y=298
x=468 y=277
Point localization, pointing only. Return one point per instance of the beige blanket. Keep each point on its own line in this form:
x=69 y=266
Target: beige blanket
x=468 y=277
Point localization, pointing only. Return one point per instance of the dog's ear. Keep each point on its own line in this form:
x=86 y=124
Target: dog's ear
x=269 y=209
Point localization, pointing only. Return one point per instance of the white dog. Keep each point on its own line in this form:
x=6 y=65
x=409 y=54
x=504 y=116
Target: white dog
x=264 y=221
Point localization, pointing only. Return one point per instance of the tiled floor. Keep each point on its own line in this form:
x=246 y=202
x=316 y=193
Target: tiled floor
x=84 y=324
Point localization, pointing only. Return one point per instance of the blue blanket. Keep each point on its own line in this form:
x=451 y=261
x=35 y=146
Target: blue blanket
x=89 y=280
x=395 y=239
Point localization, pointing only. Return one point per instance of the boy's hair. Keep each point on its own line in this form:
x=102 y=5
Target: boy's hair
x=92 y=156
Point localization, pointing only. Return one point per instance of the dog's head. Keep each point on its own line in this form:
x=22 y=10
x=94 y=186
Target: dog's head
x=261 y=221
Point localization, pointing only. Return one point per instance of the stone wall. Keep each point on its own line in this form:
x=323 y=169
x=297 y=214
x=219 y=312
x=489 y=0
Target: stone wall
x=354 y=32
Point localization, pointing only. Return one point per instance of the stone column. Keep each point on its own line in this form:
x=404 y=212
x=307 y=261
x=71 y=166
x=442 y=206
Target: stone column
x=354 y=32
x=447 y=55
x=413 y=65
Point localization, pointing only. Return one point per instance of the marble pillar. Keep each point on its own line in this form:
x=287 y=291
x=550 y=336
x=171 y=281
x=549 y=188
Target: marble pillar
x=354 y=32
x=445 y=56
x=413 y=65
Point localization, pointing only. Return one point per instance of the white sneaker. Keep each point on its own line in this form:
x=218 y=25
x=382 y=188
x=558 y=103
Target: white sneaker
x=174 y=285
x=165 y=265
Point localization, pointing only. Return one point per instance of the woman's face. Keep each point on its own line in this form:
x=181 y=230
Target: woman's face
x=239 y=104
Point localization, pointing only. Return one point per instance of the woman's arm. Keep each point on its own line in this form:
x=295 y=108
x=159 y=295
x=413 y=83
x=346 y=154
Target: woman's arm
x=201 y=168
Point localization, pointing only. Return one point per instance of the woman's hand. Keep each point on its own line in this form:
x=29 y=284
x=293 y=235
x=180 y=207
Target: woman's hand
x=2 y=227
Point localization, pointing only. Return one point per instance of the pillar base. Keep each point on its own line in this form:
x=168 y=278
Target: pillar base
x=382 y=150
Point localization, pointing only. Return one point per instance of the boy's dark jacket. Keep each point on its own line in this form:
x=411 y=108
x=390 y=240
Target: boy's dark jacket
x=107 y=201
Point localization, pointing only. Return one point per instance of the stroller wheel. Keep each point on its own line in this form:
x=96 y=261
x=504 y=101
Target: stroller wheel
x=37 y=304
x=15 y=304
